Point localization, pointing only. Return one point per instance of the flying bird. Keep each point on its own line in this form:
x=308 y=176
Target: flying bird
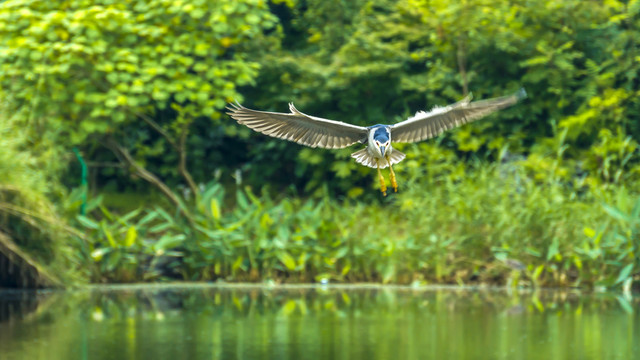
x=314 y=131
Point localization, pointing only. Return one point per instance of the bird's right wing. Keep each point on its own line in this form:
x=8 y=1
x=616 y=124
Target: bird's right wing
x=425 y=125
x=298 y=127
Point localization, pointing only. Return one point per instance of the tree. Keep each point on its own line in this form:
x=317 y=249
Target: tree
x=95 y=70
x=382 y=60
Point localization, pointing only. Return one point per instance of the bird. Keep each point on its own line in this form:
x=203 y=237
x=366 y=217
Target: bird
x=317 y=132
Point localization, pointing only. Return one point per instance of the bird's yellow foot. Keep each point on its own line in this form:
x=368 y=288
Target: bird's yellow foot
x=383 y=186
x=392 y=176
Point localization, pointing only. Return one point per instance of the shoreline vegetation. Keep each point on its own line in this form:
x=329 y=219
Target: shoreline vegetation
x=489 y=225
x=478 y=229
x=118 y=163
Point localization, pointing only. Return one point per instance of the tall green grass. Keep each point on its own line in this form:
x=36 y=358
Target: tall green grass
x=28 y=183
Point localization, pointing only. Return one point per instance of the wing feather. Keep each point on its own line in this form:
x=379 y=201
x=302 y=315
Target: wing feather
x=424 y=125
x=298 y=127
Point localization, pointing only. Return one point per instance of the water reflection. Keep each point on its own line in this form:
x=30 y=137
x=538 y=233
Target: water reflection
x=203 y=322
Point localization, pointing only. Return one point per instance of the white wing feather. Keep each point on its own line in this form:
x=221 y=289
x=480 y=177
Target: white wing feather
x=300 y=128
x=424 y=125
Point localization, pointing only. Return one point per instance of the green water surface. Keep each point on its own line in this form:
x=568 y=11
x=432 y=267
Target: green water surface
x=304 y=322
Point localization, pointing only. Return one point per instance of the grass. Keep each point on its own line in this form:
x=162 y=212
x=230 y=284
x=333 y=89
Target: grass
x=28 y=216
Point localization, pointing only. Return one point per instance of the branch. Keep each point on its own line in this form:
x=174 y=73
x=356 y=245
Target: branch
x=155 y=127
x=125 y=157
x=182 y=150
x=30 y=217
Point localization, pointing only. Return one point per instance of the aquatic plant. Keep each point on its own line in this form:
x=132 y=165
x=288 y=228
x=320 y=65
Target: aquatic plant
x=473 y=223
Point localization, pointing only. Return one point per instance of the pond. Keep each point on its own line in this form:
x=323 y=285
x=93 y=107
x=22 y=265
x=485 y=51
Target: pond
x=312 y=322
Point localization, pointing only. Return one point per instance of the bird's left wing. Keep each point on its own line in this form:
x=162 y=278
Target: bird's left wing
x=298 y=127
x=425 y=125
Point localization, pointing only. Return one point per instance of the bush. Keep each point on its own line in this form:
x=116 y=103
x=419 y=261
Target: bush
x=28 y=186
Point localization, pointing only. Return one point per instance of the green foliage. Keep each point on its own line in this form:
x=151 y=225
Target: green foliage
x=140 y=72
x=127 y=248
x=516 y=198
x=100 y=68
x=98 y=64
x=616 y=241
x=263 y=239
x=479 y=224
x=28 y=185
x=499 y=216
x=383 y=60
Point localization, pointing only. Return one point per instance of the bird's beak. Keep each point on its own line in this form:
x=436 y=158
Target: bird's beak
x=382 y=149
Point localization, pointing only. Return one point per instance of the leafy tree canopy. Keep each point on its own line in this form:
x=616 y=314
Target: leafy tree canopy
x=92 y=66
x=107 y=67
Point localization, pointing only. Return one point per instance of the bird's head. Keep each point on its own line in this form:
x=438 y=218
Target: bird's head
x=382 y=146
x=381 y=139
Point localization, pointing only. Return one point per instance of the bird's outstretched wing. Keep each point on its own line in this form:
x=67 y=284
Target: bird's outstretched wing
x=298 y=127
x=425 y=125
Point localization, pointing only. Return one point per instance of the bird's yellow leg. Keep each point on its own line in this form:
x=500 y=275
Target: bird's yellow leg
x=383 y=186
x=392 y=176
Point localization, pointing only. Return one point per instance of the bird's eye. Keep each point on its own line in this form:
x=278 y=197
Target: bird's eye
x=378 y=143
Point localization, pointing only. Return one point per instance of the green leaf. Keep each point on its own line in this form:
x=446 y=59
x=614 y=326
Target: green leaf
x=168 y=242
x=99 y=253
x=107 y=234
x=537 y=272
x=254 y=199
x=286 y=259
x=113 y=260
x=215 y=209
x=589 y=232
x=501 y=256
x=532 y=251
x=147 y=218
x=346 y=268
x=238 y=263
x=125 y=219
x=164 y=214
x=624 y=273
x=616 y=213
x=131 y=236
x=340 y=253
x=160 y=227
x=266 y=221
x=625 y=304
x=86 y=222
x=242 y=200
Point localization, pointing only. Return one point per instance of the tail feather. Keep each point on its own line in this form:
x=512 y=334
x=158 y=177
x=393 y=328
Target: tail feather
x=364 y=158
x=396 y=156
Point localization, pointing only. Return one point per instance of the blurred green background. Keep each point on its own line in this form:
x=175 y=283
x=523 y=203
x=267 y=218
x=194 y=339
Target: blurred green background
x=542 y=194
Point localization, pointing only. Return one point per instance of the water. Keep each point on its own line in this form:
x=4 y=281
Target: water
x=239 y=322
